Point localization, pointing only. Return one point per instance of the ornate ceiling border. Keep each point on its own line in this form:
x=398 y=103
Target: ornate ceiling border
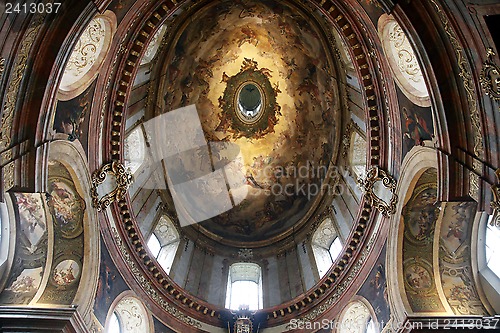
x=469 y=86
x=327 y=291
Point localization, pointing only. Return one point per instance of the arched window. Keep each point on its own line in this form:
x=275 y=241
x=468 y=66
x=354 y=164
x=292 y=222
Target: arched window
x=492 y=245
x=135 y=149
x=357 y=158
x=163 y=243
x=128 y=314
x=370 y=326
x=326 y=246
x=487 y=262
x=403 y=61
x=244 y=286
x=153 y=46
x=357 y=318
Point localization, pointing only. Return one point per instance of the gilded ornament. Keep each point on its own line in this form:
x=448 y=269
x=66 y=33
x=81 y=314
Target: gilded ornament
x=468 y=83
x=18 y=72
x=490 y=77
x=376 y=175
x=122 y=177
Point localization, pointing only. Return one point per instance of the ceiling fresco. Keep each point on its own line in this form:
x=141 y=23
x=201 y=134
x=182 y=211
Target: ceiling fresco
x=276 y=48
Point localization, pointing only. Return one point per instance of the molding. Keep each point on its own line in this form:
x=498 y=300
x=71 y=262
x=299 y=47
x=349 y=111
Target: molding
x=468 y=83
x=29 y=319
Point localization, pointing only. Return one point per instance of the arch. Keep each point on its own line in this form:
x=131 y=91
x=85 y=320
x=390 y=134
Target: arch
x=326 y=245
x=358 y=316
x=163 y=242
x=88 y=56
x=416 y=162
x=73 y=158
x=244 y=285
x=130 y=313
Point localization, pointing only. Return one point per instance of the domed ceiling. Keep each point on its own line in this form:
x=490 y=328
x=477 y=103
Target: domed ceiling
x=263 y=83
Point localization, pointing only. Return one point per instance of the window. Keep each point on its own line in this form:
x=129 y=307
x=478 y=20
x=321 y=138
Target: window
x=128 y=314
x=493 y=248
x=134 y=150
x=244 y=287
x=114 y=324
x=370 y=326
x=326 y=246
x=154 y=245
x=358 y=155
x=163 y=243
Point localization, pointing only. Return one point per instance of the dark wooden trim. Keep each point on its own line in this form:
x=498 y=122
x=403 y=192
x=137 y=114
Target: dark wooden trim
x=27 y=319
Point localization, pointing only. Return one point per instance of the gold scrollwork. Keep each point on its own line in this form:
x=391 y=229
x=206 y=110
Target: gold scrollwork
x=2 y=65
x=373 y=176
x=18 y=72
x=495 y=203
x=490 y=76
x=123 y=178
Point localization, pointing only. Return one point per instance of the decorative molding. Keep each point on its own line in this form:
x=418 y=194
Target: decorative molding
x=243 y=325
x=490 y=77
x=402 y=61
x=245 y=254
x=122 y=177
x=87 y=49
x=19 y=70
x=374 y=175
x=469 y=86
x=346 y=139
x=148 y=286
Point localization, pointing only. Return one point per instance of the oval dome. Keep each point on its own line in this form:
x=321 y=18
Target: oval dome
x=276 y=152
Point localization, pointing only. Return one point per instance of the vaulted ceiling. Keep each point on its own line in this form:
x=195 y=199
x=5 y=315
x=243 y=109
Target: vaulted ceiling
x=257 y=130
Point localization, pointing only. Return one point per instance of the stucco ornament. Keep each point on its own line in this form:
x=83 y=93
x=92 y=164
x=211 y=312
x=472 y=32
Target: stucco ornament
x=109 y=184
x=380 y=190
